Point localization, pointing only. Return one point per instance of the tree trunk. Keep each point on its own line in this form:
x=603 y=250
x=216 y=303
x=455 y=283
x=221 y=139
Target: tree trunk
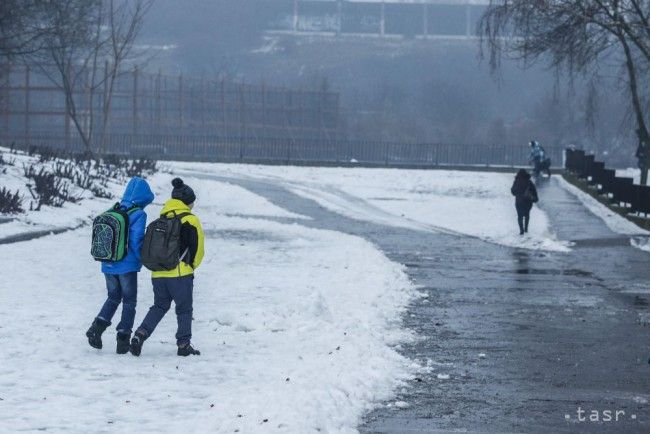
x=644 y=175
x=643 y=149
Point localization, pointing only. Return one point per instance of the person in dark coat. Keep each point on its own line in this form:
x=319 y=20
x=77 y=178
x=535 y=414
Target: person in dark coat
x=525 y=195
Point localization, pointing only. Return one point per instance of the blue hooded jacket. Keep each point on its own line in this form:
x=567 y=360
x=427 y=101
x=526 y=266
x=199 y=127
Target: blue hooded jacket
x=137 y=193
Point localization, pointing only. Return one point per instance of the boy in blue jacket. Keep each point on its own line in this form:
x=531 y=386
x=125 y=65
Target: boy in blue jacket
x=122 y=276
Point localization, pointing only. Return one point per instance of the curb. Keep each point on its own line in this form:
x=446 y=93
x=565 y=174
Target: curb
x=641 y=222
x=28 y=236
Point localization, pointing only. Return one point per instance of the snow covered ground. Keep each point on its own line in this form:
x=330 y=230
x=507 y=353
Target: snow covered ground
x=299 y=327
x=477 y=204
x=298 y=330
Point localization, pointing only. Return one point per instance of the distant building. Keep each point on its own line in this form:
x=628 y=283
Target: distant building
x=391 y=18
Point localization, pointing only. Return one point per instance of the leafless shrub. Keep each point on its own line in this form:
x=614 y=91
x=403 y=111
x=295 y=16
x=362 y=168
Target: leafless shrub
x=10 y=203
x=141 y=167
x=48 y=189
x=65 y=169
x=100 y=192
x=55 y=172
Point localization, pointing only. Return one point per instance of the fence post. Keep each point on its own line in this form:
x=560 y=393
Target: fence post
x=425 y=19
x=180 y=103
x=289 y=142
x=66 y=127
x=158 y=102
x=202 y=92
x=264 y=129
x=6 y=94
x=27 y=105
x=295 y=16
x=339 y=15
x=135 y=106
x=242 y=111
x=301 y=113
x=224 y=125
x=319 y=112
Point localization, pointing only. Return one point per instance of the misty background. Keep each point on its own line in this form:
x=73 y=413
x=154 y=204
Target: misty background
x=397 y=88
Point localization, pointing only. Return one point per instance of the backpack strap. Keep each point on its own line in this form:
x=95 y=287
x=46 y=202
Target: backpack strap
x=132 y=209
x=180 y=216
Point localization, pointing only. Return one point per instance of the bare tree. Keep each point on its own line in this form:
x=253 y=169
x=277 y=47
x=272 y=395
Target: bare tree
x=124 y=24
x=578 y=35
x=21 y=27
x=86 y=47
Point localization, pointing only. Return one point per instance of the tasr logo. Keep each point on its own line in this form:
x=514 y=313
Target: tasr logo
x=596 y=415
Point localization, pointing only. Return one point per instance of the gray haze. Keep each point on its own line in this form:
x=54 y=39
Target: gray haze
x=393 y=88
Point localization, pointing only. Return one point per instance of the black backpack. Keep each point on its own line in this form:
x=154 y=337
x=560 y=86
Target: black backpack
x=161 y=249
x=110 y=237
x=530 y=196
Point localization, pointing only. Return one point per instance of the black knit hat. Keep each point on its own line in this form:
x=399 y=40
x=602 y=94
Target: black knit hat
x=183 y=192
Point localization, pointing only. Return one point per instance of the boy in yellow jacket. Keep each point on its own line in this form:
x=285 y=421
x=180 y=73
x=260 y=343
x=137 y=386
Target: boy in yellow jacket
x=176 y=284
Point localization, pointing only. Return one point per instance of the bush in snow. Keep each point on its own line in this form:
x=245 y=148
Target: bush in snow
x=111 y=166
x=47 y=188
x=141 y=167
x=10 y=203
x=57 y=176
x=64 y=169
x=44 y=154
x=117 y=166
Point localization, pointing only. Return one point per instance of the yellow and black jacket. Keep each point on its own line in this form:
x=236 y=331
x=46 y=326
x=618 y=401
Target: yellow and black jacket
x=192 y=241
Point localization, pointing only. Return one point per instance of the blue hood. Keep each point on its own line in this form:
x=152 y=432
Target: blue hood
x=137 y=193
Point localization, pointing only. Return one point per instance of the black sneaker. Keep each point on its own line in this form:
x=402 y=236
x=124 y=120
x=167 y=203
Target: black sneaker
x=136 y=343
x=94 y=333
x=123 y=343
x=187 y=350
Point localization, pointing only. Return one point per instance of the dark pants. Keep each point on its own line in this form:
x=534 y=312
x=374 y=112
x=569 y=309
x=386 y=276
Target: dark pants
x=523 y=215
x=122 y=288
x=166 y=289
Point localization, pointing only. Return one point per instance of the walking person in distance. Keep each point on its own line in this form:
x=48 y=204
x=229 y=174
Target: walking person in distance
x=525 y=195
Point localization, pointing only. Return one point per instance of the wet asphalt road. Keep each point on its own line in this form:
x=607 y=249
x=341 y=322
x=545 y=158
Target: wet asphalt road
x=559 y=331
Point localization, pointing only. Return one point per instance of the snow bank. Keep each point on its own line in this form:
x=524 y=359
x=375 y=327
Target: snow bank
x=70 y=215
x=477 y=204
x=297 y=329
x=223 y=197
x=614 y=221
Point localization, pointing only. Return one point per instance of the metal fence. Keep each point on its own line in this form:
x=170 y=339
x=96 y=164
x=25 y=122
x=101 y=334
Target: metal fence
x=32 y=105
x=620 y=191
x=301 y=151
